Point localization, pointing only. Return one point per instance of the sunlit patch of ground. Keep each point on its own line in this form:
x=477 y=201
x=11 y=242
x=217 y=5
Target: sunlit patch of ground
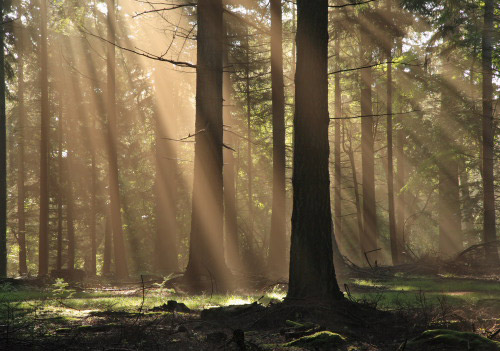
x=120 y=316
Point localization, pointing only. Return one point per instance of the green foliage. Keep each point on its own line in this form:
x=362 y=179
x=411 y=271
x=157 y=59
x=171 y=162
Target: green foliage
x=61 y=289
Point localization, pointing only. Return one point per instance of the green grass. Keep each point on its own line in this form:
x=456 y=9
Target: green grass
x=386 y=294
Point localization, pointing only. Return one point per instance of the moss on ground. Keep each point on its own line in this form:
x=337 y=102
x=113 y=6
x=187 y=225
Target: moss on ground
x=444 y=339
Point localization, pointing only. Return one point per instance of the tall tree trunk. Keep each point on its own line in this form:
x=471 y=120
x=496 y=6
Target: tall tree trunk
x=70 y=212
x=467 y=206
x=21 y=192
x=108 y=244
x=450 y=231
x=93 y=211
x=370 y=233
x=230 y=213
x=166 y=249
x=249 y=251
x=60 y=185
x=206 y=253
x=357 y=201
x=337 y=200
x=43 y=248
x=489 y=230
x=390 y=159
x=400 y=202
x=312 y=274
x=277 y=253
x=121 y=269
x=3 y=155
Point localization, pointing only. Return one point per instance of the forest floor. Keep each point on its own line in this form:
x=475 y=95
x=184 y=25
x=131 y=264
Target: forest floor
x=379 y=313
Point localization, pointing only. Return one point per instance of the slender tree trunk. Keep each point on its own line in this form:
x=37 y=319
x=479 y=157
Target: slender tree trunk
x=3 y=155
x=400 y=207
x=390 y=158
x=312 y=274
x=370 y=234
x=121 y=269
x=21 y=193
x=467 y=208
x=489 y=230
x=450 y=231
x=206 y=250
x=108 y=243
x=359 y=213
x=230 y=213
x=277 y=254
x=70 y=206
x=93 y=214
x=249 y=253
x=43 y=249
x=337 y=201
x=60 y=185
x=166 y=249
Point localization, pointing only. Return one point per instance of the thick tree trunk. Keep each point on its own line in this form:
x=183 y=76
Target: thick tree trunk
x=277 y=253
x=489 y=230
x=312 y=275
x=370 y=233
x=121 y=269
x=3 y=156
x=43 y=248
x=206 y=250
x=21 y=192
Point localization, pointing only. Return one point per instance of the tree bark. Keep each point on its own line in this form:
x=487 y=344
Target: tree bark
x=450 y=231
x=166 y=249
x=489 y=230
x=390 y=159
x=230 y=212
x=120 y=260
x=206 y=253
x=337 y=201
x=312 y=274
x=43 y=248
x=277 y=244
x=21 y=192
x=370 y=230
x=3 y=155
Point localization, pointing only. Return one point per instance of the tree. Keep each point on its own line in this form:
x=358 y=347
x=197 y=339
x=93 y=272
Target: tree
x=337 y=201
x=206 y=254
x=450 y=232
x=277 y=238
x=489 y=230
x=21 y=192
x=370 y=231
x=312 y=274
x=3 y=153
x=121 y=269
x=43 y=248
x=390 y=159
